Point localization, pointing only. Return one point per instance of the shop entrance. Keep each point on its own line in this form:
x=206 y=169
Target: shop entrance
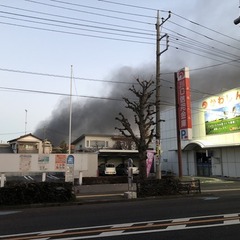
x=204 y=164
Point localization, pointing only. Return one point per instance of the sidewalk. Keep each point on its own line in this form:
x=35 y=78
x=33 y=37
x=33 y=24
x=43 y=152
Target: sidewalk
x=115 y=192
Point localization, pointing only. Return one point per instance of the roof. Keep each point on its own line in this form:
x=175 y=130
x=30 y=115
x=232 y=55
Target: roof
x=23 y=136
x=117 y=152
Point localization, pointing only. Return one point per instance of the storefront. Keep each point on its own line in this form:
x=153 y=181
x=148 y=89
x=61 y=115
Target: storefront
x=214 y=148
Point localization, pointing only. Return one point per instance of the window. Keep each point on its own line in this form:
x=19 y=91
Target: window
x=97 y=143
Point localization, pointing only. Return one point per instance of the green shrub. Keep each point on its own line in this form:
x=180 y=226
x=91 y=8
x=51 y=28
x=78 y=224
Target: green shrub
x=36 y=192
x=158 y=187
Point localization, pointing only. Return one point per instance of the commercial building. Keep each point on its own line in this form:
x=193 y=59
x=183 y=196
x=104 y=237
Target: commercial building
x=214 y=147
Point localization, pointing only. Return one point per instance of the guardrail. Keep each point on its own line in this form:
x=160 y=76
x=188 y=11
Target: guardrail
x=190 y=186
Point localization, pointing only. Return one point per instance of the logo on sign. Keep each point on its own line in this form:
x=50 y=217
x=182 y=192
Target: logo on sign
x=181 y=74
x=184 y=134
x=70 y=159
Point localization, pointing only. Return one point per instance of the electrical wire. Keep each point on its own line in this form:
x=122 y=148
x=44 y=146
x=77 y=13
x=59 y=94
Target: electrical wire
x=187 y=44
x=102 y=9
x=76 y=24
x=74 y=33
x=133 y=6
x=76 y=19
x=56 y=93
x=92 y=13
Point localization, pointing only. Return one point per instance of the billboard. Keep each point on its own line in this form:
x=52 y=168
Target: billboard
x=222 y=113
x=184 y=104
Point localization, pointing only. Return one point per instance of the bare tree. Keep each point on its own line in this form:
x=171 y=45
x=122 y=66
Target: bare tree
x=143 y=110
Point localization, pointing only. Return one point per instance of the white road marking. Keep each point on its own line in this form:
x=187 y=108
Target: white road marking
x=135 y=228
x=8 y=212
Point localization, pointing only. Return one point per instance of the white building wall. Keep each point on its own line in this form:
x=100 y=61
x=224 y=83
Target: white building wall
x=83 y=143
x=225 y=160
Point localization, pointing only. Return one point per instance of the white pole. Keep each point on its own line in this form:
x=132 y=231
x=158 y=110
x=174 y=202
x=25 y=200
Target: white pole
x=25 y=121
x=44 y=174
x=80 y=177
x=2 y=180
x=70 y=114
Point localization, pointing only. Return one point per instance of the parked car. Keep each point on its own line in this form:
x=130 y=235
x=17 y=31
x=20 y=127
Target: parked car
x=122 y=169
x=106 y=169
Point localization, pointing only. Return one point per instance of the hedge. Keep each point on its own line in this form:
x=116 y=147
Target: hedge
x=36 y=192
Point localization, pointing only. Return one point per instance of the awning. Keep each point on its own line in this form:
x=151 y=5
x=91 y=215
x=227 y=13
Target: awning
x=117 y=153
x=203 y=144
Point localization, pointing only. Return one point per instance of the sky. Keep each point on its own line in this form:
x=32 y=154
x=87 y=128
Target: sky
x=95 y=49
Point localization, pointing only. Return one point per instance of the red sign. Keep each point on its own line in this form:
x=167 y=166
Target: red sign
x=184 y=103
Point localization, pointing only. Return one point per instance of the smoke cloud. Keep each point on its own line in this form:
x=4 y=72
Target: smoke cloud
x=97 y=116
x=93 y=115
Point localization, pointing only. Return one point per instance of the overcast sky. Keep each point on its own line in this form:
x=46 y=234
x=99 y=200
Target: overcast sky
x=108 y=44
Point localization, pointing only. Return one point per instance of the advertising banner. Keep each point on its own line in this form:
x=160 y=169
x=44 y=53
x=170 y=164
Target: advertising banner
x=150 y=160
x=184 y=104
x=25 y=162
x=60 y=161
x=222 y=113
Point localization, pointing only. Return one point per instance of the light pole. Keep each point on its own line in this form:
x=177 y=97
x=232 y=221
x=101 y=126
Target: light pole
x=237 y=20
x=25 y=121
x=158 y=120
x=70 y=113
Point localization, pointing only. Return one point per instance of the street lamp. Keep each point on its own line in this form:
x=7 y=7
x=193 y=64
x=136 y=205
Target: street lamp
x=237 y=20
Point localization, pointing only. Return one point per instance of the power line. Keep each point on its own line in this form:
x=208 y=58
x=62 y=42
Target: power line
x=102 y=9
x=75 y=28
x=133 y=6
x=194 y=45
x=205 y=27
x=194 y=42
x=200 y=47
x=58 y=94
x=87 y=26
x=72 y=23
x=95 y=14
x=190 y=50
x=205 y=36
x=77 y=19
x=78 y=34
x=62 y=76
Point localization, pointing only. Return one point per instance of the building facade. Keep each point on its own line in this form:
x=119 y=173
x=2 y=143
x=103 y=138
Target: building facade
x=30 y=144
x=110 y=148
x=214 y=149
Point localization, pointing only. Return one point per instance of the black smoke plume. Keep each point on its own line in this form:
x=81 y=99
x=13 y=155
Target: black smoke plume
x=97 y=115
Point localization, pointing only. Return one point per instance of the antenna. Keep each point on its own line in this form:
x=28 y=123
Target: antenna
x=25 y=121
x=70 y=114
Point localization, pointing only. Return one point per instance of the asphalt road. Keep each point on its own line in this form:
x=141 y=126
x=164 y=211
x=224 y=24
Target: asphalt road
x=207 y=216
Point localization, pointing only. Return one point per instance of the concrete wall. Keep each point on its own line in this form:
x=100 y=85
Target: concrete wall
x=27 y=163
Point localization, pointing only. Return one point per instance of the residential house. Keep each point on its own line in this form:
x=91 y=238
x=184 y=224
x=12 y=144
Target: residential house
x=110 y=148
x=30 y=144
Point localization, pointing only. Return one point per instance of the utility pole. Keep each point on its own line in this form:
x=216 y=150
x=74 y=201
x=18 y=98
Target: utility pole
x=158 y=120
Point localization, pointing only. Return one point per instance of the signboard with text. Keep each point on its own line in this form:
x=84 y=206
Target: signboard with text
x=184 y=104
x=222 y=113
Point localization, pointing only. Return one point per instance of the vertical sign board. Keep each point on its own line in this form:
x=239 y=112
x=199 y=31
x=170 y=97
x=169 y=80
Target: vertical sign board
x=69 y=174
x=184 y=104
x=149 y=161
